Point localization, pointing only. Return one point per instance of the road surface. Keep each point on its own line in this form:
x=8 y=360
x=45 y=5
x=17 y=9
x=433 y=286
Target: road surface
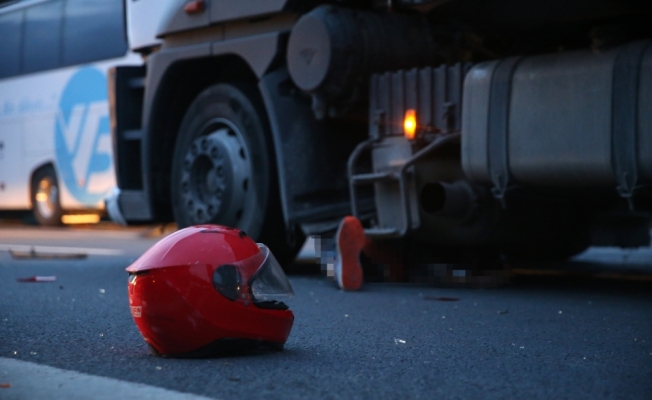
x=581 y=330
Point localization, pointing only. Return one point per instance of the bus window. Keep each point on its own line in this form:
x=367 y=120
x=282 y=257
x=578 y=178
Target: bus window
x=42 y=36
x=10 y=43
x=93 y=30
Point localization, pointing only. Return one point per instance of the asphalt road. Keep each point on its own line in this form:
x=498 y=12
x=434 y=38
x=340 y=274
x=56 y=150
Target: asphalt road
x=549 y=334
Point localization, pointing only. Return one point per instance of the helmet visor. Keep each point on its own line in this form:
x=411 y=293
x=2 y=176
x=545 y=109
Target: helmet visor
x=270 y=282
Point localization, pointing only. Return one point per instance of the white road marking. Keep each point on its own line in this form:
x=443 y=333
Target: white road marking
x=61 y=250
x=35 y=381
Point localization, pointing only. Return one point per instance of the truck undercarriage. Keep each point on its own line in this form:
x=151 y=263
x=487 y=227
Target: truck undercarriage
x=531 y=127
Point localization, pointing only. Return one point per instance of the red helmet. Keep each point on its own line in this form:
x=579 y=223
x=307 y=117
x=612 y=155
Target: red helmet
x=208 y=289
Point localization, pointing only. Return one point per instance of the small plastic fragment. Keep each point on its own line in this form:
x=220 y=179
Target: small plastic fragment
x=501 y=312
x=399 y=341
x=5 y=385
x=38 y=279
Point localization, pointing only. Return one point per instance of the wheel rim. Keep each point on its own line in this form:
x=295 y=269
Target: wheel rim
x=216 y=176
x=47 y=195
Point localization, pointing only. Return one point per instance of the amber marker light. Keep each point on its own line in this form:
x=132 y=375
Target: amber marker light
x=72 y=219
x=410 y=124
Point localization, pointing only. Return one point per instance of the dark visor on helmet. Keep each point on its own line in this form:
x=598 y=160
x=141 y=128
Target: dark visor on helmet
x=226 y=280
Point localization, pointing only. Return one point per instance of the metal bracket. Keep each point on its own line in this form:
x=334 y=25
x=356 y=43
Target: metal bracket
x=627 y=70
x=501 y=87
x=399 y=174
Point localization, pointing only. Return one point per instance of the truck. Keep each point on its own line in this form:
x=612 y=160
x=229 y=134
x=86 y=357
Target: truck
x=473 y=128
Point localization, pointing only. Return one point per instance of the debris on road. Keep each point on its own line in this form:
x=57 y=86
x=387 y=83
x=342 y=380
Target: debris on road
x=33 y=254
x=441 y=298
x=38 y=279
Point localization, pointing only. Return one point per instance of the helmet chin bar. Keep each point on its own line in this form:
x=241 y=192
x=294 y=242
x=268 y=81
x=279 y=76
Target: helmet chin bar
x=271 y=305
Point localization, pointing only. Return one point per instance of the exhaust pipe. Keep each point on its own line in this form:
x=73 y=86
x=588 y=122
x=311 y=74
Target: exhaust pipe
x=455 y=200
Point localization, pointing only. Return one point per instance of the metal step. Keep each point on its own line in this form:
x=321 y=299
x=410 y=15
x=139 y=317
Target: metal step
x=373 y=177
x=382 y=232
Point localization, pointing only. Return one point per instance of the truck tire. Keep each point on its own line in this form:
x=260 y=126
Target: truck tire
x=46 y=205
x=224 y=170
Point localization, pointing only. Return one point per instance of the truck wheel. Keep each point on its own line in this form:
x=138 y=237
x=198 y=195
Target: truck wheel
x=45 y=197
x=223 y=168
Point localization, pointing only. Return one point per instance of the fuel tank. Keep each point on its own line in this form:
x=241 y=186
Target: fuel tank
x=573 y=119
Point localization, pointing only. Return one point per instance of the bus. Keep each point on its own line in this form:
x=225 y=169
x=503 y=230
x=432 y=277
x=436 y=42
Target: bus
x=55 y=144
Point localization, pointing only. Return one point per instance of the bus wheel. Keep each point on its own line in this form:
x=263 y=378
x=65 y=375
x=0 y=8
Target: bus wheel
x=45 y=197
x=223 y=167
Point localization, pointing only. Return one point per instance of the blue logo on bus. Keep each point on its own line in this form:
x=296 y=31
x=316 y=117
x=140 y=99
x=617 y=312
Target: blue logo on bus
x=82 y=137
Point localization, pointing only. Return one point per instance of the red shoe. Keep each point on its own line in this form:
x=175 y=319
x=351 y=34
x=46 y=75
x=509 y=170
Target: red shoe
x=349 y=242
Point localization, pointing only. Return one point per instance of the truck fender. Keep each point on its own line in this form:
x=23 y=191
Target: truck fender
x=310 y=178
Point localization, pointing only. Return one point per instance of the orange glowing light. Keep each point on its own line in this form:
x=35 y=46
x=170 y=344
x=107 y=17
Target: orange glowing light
x=410 y=124
x=80 y=219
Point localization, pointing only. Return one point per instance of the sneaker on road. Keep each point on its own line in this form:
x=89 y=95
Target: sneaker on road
x=349 y=242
